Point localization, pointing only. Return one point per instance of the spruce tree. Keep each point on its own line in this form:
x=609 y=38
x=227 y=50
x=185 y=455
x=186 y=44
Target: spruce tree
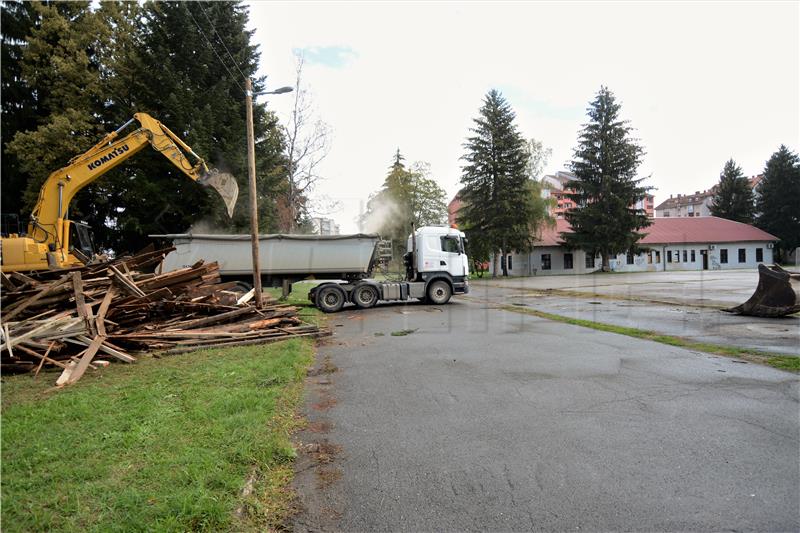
x=20 y=112
x=90 y=68
x=778 y=203
x=605 y=162
x=498 y=211
x=733 y=198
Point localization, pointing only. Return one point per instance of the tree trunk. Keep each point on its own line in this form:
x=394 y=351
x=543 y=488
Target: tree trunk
x=504 y=262
x=494 y=265
x=606 y=264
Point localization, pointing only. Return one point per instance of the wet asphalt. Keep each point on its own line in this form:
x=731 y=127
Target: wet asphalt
x=480 y=419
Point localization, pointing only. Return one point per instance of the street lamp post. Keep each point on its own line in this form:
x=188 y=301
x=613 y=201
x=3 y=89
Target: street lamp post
x=251 y=170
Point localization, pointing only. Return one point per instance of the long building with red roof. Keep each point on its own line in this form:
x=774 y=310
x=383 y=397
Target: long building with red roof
x=697 y=243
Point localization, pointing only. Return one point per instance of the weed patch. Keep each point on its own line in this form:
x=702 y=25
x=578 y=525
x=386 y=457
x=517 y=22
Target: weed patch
x=784 y=362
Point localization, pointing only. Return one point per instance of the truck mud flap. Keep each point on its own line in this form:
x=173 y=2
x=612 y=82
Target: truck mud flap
x=777 y=294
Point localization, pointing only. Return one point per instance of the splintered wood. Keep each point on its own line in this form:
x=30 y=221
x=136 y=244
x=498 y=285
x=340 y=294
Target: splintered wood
x=77 y=319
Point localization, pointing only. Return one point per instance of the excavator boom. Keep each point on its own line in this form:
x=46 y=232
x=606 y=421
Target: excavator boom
x=47 y=245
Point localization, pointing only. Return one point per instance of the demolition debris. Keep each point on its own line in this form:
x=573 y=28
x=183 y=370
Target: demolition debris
x=81 y=318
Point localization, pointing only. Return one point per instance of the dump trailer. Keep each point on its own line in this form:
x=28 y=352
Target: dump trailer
x=777 y=294
x=436 y=264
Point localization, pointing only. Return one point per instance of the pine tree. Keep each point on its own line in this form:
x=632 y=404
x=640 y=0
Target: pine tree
x=606 y=188
x=498 y=211
x=778 y=203
x=733 y=198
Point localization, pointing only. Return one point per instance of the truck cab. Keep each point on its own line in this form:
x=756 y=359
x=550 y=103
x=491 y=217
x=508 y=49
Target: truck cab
x=438 y=251
x=436 y=268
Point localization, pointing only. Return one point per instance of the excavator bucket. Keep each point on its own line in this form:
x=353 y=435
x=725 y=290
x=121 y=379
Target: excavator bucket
x=225 y=184
x=777 y=294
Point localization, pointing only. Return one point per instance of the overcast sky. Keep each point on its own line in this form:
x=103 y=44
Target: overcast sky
x=700 y=82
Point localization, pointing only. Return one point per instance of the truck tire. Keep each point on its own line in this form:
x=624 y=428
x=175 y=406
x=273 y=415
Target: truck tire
x=365 y=295
x=331 y=298
x=439 y=292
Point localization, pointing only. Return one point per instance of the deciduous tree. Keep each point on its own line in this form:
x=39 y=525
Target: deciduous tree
x=605 y=187
x=409 y=198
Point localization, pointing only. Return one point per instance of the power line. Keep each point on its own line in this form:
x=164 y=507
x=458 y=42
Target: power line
x=210 y=45
x=219 y=38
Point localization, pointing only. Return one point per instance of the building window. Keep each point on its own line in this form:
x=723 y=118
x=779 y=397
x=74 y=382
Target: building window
x=629 y=258
x=589 y=260
x=693 y=256
x=545 y=261
x=658 y=256
x=677 y=256
x=567 y=261
x=759 y=255
x=649 y=258
x=666 y=213
x=742 y=255
x=685 y=256
x=723 y=255
x=510 y=264
x=669 y=256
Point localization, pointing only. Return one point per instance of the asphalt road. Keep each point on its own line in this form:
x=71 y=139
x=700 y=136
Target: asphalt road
x=483 y=419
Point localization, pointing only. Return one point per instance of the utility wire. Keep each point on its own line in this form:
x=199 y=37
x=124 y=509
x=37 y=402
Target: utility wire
x=219 y=38
x=210 y=45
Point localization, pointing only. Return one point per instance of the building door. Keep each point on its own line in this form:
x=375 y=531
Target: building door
x=704 y=255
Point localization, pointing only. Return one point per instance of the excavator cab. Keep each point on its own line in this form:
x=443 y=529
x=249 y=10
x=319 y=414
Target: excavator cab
x=81 y=241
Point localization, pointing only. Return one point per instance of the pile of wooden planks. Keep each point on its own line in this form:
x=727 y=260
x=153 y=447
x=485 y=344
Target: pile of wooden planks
x=80 y=318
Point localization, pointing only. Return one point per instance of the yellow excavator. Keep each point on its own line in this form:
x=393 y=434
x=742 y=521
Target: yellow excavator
x=53 y=241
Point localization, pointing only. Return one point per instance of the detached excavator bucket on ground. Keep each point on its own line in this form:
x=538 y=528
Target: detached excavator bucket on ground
x=777 y=294
x=225 y=184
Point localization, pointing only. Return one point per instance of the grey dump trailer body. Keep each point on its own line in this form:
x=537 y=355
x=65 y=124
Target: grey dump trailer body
x=281 y=256
x=436 y=267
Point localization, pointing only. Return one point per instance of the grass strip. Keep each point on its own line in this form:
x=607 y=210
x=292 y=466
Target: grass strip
x=784 y=362
x=161 y=445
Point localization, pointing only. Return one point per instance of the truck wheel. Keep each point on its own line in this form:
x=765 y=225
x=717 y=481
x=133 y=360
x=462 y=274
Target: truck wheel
x=365 y=296
x=439 y=292
x=331 y=298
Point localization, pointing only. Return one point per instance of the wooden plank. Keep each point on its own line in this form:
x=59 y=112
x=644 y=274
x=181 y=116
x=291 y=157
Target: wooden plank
x=43 y=359
x=84 y=311
x=7 y=284
x=80 y=369
x=216 y=319
x=108 y=348
x=125 y=282
x=40 y=356
x=30 y=301
x=100 y=321
x=23 y=279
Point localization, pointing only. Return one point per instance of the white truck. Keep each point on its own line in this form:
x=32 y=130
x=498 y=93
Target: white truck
x=436 y=264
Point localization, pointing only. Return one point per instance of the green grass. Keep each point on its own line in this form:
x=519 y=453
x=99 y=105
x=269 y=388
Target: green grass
x=161 y=445
x=784 y=362
x=299 y=297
